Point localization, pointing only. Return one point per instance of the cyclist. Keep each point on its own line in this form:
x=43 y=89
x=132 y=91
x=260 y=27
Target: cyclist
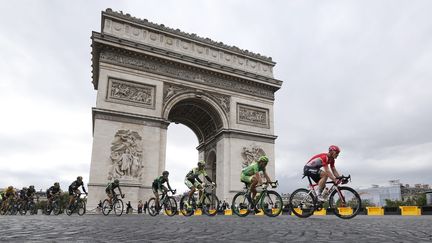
x=158 y=186
x=9 y=195
x=192 y=179
x=31 y=192
x=22 y=195
x=110 y=190
x=52 y=191
x=73 y=190
x=313 y=169
x=250 y=174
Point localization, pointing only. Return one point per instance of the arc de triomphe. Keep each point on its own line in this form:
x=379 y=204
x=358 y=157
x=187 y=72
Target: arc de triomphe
x=147 y=76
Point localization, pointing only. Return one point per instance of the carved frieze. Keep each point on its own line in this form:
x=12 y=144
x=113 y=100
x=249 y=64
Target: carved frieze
x=251 y=115
x=145 y=32
x=122 y=91
x=251 y=154
x=126 y=156
x=144 y=63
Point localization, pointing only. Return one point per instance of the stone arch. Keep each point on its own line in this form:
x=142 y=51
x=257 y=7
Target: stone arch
x=197 y=111
x=152 y=76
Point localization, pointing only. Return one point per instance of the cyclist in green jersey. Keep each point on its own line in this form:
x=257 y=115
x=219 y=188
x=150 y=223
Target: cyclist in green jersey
x=250 y=174
x=158 y=186
x=192 y=179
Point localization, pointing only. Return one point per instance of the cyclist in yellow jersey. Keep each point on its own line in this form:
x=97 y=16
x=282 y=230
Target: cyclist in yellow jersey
x=192 y=179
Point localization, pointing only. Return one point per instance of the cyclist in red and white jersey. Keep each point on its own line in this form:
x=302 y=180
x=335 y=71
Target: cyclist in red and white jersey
x=324 y=160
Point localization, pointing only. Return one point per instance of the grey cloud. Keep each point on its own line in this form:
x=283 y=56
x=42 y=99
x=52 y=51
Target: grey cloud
x=356 y=73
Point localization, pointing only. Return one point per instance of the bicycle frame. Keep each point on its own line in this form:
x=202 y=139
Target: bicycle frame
x=164 y=197
x=204 y=193
x=335 y=186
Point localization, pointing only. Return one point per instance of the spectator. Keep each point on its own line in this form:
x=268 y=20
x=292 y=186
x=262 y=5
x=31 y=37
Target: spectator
x=128 y=208
x=225 y=205
x=140 y=207
x=145 y=207
x=99 y=207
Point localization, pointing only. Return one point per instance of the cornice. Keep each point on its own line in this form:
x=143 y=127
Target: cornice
x=99 y=40
x=125 y=117
x=144 y=22
x=240 y=134
x=112 y=50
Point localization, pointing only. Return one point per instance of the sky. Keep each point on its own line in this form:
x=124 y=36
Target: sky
x=356 y=74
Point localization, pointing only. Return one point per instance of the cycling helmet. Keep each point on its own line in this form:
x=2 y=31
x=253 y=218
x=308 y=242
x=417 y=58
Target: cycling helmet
x=24 y=188
x=334 y=148
x=263 y=159
x=116 y=181
x=56 y=184
x=165 y=173
x=201 y=163
x=10 y=187
x=31 y=187
x=79 y=178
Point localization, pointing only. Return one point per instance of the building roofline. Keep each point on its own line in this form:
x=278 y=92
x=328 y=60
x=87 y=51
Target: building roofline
x=110 y=13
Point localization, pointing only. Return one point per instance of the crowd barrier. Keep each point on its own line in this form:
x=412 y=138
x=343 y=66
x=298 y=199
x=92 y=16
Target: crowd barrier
x=369 y=211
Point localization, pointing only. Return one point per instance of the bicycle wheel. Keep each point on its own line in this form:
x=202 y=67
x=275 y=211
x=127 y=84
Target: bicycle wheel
x=210 y=204
x=106 y=208
x=346 y=203
x=271 y=204
x=170 y=206
x=69 y=210
x=241 y=205
x=14 y=209
x=81 y=208
x=153 y=211
x=302 y=203
x=48 y=209
x=186 y=205
x=56 y=208
x=118 y=207
x=22 y=208
x=32 y=208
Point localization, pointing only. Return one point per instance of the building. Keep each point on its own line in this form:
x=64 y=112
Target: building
x=378 y=194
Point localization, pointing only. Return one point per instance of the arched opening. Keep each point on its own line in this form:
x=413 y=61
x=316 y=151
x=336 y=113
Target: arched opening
x=198 y=115
x=205 y=121
x=181 y=154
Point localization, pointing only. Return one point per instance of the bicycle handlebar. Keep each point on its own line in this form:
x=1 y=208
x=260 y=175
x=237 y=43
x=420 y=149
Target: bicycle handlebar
x=206 y=185
x=341 y=180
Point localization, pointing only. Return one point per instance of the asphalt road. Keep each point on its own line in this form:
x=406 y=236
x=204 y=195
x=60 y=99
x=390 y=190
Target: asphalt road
x=144 y=228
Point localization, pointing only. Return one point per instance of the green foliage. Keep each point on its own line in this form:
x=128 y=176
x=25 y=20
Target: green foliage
x=367 y=203
x=395 y=203
x=421 y=200
x=41 y=204
x=417 y=200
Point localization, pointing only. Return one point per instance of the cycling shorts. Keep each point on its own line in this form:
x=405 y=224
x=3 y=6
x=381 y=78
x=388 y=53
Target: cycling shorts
x=245 y=178
x=314 y=173
x=191 y=184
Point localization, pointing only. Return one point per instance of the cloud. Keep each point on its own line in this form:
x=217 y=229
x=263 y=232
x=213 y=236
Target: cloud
x=356 y=74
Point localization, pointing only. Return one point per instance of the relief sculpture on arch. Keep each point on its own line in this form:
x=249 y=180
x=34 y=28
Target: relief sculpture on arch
x=126 y=156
